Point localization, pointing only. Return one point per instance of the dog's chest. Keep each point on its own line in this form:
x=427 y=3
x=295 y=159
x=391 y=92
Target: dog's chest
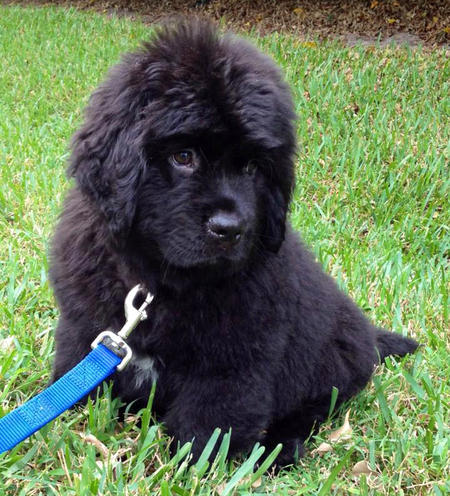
x=200 y=333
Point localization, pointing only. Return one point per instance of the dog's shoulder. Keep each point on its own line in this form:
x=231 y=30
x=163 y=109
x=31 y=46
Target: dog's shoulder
x=85 y=271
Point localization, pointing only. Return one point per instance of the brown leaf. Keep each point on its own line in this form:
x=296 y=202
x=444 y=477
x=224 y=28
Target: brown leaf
x=7 y=344
x=131 y=419
x=90 y=439
x=362 y=467
x=322 y=449
x=257 y=483
x=220 y=488
x=344 y=432
x=309 y=44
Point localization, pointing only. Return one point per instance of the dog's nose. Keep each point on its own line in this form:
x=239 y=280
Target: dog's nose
x=225 y=227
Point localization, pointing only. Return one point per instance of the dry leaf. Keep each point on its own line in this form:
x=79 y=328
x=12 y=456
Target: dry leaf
x=7 y=344
x=257 y=483
x=90 y=439
x=323 y=448
x=220 y=488
x=344 y=432
x=308 y=44
x=362 y=467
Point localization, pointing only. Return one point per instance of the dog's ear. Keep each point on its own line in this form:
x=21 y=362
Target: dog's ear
x=107 y=158
x=274 y=226
x=276 y=198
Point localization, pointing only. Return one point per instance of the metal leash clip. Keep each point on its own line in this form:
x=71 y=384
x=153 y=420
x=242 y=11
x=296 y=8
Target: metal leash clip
x=116 y=341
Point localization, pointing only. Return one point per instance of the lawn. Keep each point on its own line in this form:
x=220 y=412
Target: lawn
x=371 y=201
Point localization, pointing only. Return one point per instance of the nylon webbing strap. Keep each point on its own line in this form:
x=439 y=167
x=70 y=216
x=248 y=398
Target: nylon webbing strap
x=61 y=395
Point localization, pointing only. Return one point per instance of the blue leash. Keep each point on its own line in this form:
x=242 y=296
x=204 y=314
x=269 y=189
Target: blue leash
x=110 y=353
x=56 y=399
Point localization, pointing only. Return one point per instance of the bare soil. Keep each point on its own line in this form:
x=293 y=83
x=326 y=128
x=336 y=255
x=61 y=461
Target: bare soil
x=411 y=22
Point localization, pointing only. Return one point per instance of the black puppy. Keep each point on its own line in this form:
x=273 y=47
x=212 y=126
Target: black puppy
x=184 y=171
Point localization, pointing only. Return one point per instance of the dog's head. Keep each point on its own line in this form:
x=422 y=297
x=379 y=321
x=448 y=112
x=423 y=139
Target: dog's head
x=187 y=149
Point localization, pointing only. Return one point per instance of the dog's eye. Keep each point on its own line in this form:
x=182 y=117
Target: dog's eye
x=183 y=158
x=250 y=167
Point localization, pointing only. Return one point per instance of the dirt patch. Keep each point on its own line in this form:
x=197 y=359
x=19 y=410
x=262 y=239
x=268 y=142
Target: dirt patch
x=413 y=22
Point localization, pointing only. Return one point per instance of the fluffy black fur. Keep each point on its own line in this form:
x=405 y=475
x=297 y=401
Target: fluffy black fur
x=245 y=331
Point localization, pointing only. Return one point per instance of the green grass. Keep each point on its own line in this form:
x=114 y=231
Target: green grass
x=371 y=200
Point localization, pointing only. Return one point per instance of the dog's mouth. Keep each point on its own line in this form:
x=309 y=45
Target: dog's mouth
x=208 y=271
x=221 y=259
x=222 y=255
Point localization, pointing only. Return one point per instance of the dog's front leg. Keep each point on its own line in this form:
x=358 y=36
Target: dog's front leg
x=232 y=403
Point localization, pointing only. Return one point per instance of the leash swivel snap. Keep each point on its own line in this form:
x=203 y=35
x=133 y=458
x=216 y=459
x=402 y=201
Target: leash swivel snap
x=115 y=342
